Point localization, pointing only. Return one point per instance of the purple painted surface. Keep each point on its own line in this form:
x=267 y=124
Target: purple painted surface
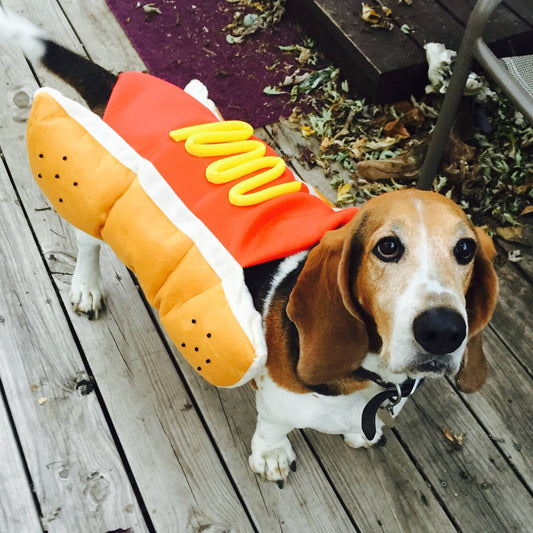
x=188 y=40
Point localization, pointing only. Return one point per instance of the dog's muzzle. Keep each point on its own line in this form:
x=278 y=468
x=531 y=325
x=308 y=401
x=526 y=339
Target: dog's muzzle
x=439 y=331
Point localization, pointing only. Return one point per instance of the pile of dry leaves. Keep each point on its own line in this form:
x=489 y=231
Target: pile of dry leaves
x=487 y=168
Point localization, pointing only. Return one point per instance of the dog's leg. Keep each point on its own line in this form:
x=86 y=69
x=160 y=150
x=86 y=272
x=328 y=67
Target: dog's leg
x=85 y=290
x=357 y=439
x=272 y=454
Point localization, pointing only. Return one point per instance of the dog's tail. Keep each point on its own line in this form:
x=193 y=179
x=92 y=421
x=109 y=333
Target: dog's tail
x=93 y=82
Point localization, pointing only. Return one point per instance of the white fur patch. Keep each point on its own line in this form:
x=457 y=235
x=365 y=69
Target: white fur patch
x=21 y=33
x=284 y=269
x=199 y=91
x=85 y=290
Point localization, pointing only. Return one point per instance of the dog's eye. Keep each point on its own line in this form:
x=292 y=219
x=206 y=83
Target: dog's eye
x=464 y=251
x=388 y=249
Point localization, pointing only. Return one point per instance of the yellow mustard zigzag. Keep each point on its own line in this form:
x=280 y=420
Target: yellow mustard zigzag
x=240 y=157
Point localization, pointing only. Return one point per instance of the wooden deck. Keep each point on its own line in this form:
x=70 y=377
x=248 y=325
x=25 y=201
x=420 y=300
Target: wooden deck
x=389 y=66
x=103 y=427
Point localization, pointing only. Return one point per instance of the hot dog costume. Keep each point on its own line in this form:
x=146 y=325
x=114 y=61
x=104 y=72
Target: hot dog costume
x=185 y=207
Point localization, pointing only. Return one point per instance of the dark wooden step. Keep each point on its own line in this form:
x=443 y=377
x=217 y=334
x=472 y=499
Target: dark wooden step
x=387 y=66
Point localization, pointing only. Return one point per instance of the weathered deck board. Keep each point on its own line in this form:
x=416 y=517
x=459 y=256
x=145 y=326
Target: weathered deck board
x=506 y=32
x=476 y=484
x=78 y=474
x=176 y=448
x=504 y=407
x=381 y=486
x=522 y=8
x=512 y=318
x=17 y=512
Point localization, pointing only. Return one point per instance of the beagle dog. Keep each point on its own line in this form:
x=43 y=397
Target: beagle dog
x=399 y=294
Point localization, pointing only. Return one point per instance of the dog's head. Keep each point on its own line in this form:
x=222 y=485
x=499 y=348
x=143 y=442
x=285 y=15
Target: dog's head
x=410 y=267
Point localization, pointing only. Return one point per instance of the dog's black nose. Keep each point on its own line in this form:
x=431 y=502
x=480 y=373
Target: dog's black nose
x=440 y=330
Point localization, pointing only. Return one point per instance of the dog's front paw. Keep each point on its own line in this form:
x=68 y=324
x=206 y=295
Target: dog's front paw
x=86 y=297
x=358 y=440
x=275 y=464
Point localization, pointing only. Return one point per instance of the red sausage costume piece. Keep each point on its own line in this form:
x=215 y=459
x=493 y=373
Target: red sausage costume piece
x=127 y=182
x=144 y=109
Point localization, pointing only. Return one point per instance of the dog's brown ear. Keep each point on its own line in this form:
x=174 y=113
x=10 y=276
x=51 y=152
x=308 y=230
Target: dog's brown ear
x=333 y=337
x=481 y=300
x=473 y=372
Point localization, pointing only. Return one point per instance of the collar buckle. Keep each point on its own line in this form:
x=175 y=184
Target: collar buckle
x=394 y=400
x=392 y=394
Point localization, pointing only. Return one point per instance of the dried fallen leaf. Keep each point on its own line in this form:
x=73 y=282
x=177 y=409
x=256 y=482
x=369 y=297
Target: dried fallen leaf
x=326 y=143
x=357 y=150
x=396 y=168
x=307 y=131
x=270 y=89
x=344 y=195
x=295 y=78
x=515 y=256
x=510 y=233
x=458 y=149
x=456 y=439
x=371 y=16
x=395 y=128
x=528 y=210
x=305 y=56
x=151 y=8
x=385 y=142
x=268 y=15
x=411 y=114
x=317 y=78
x=368 y=14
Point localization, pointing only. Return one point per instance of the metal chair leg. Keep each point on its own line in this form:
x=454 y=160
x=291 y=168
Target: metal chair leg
x=463 y=64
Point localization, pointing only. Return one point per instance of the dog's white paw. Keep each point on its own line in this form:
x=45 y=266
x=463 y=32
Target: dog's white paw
x=86 y=286
x=86 y=297
x=274 y=465
x=358 y=440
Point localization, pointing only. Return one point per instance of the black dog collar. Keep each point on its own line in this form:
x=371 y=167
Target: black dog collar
x=392 y=393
